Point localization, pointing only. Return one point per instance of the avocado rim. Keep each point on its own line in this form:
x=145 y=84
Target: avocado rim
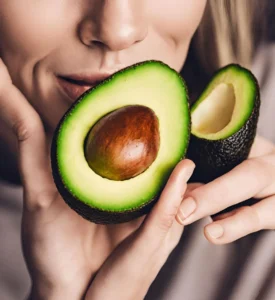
x=96 y=214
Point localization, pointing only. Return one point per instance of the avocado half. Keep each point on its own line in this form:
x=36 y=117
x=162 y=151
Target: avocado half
x=149 y=85
x=224 y=123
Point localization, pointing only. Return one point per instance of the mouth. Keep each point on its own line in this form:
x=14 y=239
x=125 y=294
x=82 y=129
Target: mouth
x=77 y=84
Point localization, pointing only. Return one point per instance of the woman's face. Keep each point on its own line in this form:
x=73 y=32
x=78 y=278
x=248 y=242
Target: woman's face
x=84 y=41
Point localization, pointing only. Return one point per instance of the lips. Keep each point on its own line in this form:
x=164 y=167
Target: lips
x=75 y=85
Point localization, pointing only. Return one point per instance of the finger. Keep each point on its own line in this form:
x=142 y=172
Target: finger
x=224 y=215
x=243 y=182
x=26 y=124
x=162 y=216
x=143 y=246
x=191 y=187
x=242 y=221
x=266 y=212
x=176 y=229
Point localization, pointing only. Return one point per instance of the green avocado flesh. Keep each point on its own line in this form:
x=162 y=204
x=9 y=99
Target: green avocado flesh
x=225 y=105
x=224 y=123
x=150 y=84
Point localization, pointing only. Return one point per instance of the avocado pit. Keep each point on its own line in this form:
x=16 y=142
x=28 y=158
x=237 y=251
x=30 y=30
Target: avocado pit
x=124 y=143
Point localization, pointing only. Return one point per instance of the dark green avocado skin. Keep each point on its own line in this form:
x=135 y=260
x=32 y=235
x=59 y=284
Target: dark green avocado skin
x=214 y=158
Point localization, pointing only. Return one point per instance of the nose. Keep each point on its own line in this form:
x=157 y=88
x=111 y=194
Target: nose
x=115 y=24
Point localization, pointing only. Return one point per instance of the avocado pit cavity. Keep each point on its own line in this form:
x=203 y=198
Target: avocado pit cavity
x=216 y=111
x=124 y=143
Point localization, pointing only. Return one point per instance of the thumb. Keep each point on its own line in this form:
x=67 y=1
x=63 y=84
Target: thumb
x=135 y=261
x=162 y=216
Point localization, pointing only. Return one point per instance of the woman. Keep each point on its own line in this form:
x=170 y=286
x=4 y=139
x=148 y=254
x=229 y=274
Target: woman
x=70 y=258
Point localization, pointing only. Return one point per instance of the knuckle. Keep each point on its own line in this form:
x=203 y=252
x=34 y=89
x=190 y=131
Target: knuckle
x=39 y=201
x=165 y=223
x=24 y=130
x=167 y=219
x=252 y=216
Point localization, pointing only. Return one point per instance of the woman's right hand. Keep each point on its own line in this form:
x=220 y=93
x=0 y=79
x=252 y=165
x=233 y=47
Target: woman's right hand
x=62 y=250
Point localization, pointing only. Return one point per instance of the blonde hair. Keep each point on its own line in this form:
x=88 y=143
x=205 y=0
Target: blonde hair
x=229 y=33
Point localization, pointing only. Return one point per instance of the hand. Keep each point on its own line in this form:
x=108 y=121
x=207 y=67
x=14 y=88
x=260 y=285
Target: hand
x=255 y=177
x=62 y=250
x=130 y=270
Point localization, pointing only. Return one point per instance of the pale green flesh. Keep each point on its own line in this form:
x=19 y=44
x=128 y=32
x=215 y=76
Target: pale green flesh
x=152 y=85
x=225 y=105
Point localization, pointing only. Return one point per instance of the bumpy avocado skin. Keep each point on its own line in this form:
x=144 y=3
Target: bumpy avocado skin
x=89 y=213
x=214 y=158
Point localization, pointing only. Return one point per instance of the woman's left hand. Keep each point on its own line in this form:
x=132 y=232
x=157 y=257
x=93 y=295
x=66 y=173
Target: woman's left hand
x=131 y=268
x=254 y=178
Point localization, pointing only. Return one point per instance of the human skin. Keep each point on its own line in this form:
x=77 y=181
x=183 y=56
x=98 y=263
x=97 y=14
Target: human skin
x=45 y=38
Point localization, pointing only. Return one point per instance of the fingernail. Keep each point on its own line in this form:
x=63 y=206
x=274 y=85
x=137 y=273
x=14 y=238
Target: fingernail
x=187 y=207
x=215 y=230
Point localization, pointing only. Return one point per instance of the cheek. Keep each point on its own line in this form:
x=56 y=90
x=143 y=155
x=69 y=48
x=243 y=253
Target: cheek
x=31 y=29
x=179 y=19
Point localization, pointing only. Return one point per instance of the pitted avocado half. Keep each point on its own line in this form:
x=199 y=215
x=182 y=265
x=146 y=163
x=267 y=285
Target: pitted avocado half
x=224 y=122
x=114 y=149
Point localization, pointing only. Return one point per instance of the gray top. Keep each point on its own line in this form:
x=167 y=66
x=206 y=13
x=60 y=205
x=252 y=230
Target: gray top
x=196 y=269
